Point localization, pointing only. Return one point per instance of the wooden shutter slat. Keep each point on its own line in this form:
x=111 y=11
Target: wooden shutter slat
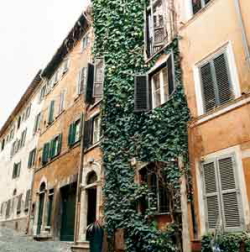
x=208 y=87
x=211 y=194
x=231 y=211
x=223 y=79
x=90 y=84
x=141 y=94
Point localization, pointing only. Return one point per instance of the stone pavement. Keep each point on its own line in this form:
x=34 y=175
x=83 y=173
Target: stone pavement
x=11 y=241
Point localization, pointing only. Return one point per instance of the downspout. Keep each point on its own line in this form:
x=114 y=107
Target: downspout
x=243 y=31
x=79 y=181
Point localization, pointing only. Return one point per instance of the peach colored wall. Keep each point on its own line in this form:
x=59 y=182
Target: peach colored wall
x=202 y=35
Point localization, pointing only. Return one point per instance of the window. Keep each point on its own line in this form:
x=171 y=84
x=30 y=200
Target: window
x=27 y=200
x=154 y=89
x=94 y=82
x=19 y=122
x=51 y=112
x=61 y=102
x=85 y=41
x=160 y=26
x=97 y=129
x=32 y=158
x=82 y=80
x=216 y=83
x=92 y=131
x=151 y=176
x=3 y=144
x=55 y=146
x=65 y=66
x=12 y=133
x=74 y=132
x=27 y=113
x=197 y=5
x=16 y=170
x=52 y=149
x=42 y=93
x=37 y=123
x=49 y=206
x=221 y=193
x=23 y=138
x=8 y=209
x=19 y=204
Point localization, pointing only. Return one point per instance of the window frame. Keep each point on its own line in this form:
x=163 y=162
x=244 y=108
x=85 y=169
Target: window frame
x=16 y=170
x=85 y=45
x=148 y=183
x=220 y=193
x=233 y=73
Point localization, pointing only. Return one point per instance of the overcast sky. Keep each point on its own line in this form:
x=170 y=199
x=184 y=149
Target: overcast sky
x=30 y=33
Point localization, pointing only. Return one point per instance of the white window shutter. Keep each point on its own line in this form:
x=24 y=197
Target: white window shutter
x=229 y=194
x=211 y=194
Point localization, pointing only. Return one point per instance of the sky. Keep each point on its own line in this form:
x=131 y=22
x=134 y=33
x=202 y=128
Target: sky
x=30 y=33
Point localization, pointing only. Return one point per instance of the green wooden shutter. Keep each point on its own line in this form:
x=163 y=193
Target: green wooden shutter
x=208 y=85
x=170 y=74
x=141 y=94
x=46 y=153
x=70 y=143
x=59 y=144
x=52 y=148
x=211 y=194
x=51 y=112
x=90 y=84
x=229 y=194
x=225 y=92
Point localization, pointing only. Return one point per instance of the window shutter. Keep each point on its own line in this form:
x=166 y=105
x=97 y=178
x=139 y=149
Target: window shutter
x=27 y=198
x=30 y=160
x=208 y=87
x=223 y=79
x=51 y=111
x=52 y=148
x=19 y=169
x=70 y=142
x=142 y=101
x=230 y=199
x=211 y=194
x=19 y=203
x=81 y=81
x=59 y=144
x=46 y=153
x=88 y=133
x=90 y=84
x=147 y=34
x=170 y=75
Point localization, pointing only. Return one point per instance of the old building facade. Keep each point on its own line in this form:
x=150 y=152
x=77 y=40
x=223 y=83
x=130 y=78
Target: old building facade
x=134 y=94
x=19 y=138
x=215 y=49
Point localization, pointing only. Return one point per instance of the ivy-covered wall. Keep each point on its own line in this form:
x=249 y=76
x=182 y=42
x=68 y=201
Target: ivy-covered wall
x=158 y=135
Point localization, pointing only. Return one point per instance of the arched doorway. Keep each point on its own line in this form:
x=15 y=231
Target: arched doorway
x=41 y=207
x=91 y=197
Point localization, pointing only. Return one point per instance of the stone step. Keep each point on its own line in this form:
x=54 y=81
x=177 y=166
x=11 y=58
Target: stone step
x=80 y=247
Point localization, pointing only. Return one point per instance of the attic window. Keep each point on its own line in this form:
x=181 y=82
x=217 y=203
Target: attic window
x=197 y=5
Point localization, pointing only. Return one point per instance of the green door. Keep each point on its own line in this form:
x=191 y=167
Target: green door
x=68 y=213
x=40 y=213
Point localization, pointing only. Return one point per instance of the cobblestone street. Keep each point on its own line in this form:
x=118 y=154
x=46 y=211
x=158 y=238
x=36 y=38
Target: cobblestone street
x=11 y=241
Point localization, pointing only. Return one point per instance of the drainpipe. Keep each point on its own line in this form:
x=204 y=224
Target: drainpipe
x=243 y=30
x=79 y=181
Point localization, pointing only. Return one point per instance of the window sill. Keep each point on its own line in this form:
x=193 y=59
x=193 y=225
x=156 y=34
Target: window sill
x=232 y=105
x=196 y=15
x=92 y=146
x=95 y=104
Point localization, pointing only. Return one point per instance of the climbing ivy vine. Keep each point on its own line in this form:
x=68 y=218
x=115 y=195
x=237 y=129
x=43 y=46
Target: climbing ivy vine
x=157 y=136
